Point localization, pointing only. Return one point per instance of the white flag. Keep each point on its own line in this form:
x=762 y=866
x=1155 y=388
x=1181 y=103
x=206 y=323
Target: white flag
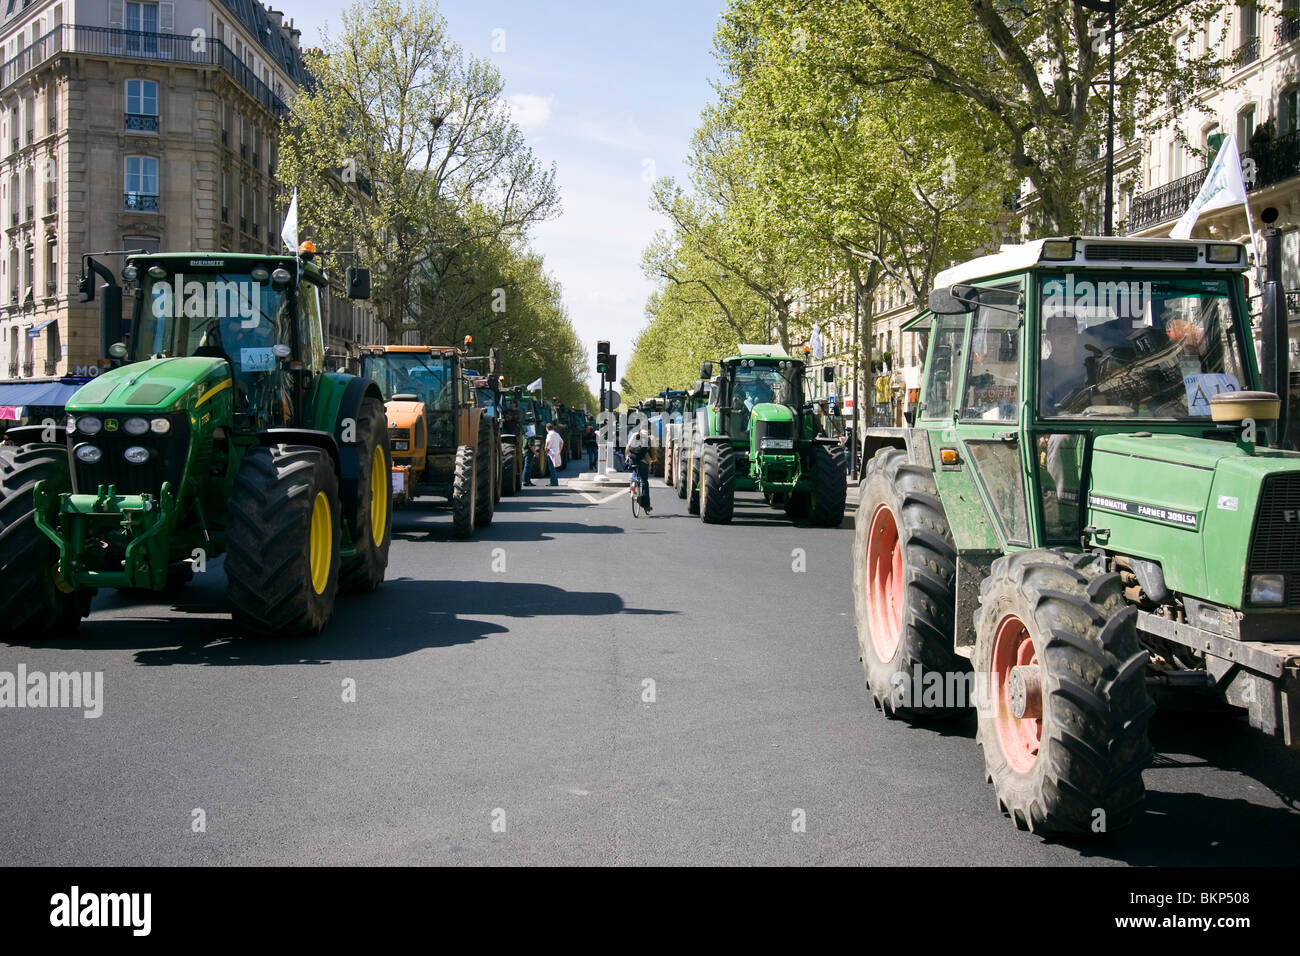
x=290 y=231
x=535 y=386
x=817 y=342
x=1223 y=186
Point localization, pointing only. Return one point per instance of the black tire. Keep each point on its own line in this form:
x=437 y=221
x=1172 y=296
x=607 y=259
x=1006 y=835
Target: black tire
x=508 y=469
x=484 y=480
x=494 y=436
x=31 y=602
x=269 y=568
x=463 y=493
x=718 y=488
x=693 y=485
x=364 y=571
x=1091 y=742
x=830 y=486
x=683 y=475
x=670 y=467
x=902 y=646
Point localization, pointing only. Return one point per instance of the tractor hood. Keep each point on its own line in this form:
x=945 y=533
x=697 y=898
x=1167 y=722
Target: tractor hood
x=771 y=412
x=1191 y=504
x=403 y=414
x=156 y=385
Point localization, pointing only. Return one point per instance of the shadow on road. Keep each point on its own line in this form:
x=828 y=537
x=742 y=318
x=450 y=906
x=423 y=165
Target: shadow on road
x=403 y=617
x=500 y=531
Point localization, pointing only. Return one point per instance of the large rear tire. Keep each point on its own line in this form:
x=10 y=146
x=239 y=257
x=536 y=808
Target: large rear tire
x=904 y=591
x=508 y=470
x=463 y=493
x=484 y=479
x=283 y=538
x=718 y=494
x=372 y=524
x=830 y=486
x=1064 y=729
x=32 y=604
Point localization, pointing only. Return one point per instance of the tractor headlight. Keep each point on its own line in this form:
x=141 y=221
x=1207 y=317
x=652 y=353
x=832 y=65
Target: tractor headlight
x=88 y=454
x=136 y=455
x=401 y=446
x=776 y=444
x=160 y=426
x=89 y=425
x=1226 y=252
x=1267 y=589
x=135 y=426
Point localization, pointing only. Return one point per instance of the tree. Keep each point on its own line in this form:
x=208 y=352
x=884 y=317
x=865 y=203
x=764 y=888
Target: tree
x=403 y=148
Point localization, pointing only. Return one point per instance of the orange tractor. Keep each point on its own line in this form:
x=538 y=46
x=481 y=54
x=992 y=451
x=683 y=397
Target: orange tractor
x=442 y=444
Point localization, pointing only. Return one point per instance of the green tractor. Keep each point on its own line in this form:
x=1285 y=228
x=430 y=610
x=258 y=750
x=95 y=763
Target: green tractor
x=686 y=442
x=219 y=431
x=762 y=438
x=1090 y=509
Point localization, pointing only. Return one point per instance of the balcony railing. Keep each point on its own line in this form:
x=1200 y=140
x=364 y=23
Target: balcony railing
x=141 y=202
x=1267 y=163
x=140 y=123
x=1289 y=28
x=168 y=47
x=1246 y=54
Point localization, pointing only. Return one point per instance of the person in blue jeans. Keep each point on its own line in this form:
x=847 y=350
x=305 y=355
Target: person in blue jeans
x=638 y=456
x=554 y=451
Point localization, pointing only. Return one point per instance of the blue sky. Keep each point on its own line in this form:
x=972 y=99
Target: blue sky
x=604 y=88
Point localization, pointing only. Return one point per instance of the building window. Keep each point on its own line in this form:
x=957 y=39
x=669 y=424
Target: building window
x=1245 y=127
x=1288 y=111
x=142 y=106
x=146 y=244
x=141 y=183
x=142 y=18
x=1247 y=34
x=52 y=265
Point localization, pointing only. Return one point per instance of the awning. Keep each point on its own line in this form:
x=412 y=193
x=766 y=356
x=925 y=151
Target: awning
x=35 y=330
x=37 y=393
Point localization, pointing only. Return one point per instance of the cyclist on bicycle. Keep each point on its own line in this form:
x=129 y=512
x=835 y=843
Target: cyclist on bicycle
x=638 y=456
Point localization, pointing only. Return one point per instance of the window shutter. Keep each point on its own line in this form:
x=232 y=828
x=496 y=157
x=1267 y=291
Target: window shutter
x=166 y=17
x=115 y=14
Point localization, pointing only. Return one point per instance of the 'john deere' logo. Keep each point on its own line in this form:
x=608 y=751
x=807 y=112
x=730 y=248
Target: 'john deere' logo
x=110 y=424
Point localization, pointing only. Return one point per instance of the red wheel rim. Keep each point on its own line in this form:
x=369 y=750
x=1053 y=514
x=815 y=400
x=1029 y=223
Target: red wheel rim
x=1017 y=736
x=884 y=573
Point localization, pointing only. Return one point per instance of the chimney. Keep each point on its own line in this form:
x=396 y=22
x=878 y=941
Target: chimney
x=276 y=17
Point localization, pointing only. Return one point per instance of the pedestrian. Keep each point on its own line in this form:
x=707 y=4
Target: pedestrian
x=554 y=451
x=589 y=442
x=638 y=456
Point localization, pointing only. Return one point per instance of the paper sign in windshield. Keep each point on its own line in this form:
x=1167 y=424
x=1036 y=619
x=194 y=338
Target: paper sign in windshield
x=1203 y=386
x=262 y=359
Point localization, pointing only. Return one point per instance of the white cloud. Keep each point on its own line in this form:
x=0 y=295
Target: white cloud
x=529 y=110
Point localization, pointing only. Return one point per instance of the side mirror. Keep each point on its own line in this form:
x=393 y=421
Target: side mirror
x=358 y=282
x=706 y=370
x=954 y=300
x=110 y=318
x=828 y=373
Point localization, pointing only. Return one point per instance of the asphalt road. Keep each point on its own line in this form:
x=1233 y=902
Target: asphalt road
x=502 y=715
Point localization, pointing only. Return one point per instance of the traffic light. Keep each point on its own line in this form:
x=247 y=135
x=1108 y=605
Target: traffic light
x=602 y=357
x=611 y=368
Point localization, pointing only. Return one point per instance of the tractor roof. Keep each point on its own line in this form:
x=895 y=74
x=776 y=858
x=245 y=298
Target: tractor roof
x=409 y=349
x=1097 y=253
x=760 y=351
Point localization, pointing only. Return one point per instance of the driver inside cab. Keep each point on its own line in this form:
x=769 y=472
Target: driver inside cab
x=1062 y=370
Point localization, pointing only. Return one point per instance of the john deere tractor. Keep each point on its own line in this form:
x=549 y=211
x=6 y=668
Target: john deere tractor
x=219 y=431
x=1090 y=510
x=442 y=445
x=760 y=438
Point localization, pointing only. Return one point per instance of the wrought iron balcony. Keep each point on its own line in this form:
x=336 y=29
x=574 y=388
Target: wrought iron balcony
x=140 y=123
x=1288 y=29
x=1268 y=162
x=1246 y=54
x=141 y=202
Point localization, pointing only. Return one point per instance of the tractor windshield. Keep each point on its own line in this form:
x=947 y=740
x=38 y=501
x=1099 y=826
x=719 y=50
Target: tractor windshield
x=753 y=384
x=427 y=377
x=1130 y=346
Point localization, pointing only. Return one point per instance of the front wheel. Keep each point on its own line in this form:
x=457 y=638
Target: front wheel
x=508 y=471
x=283 y=537
x=371 y=522
x=718 y=494
x=32 y=601
x=485 y=503
x=1064 y=720
x=830 y=486
x=464 y=493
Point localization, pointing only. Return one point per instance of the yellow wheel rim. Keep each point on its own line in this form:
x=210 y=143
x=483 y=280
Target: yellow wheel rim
x=322 y=542
x=378 y=496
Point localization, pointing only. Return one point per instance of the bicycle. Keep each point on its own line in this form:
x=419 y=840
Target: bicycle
x=634 y=489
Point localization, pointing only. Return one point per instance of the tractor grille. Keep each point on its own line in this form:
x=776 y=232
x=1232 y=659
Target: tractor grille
x=1112 y=251
x=166 y=461
x=1275 y=540
x=772 y=430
